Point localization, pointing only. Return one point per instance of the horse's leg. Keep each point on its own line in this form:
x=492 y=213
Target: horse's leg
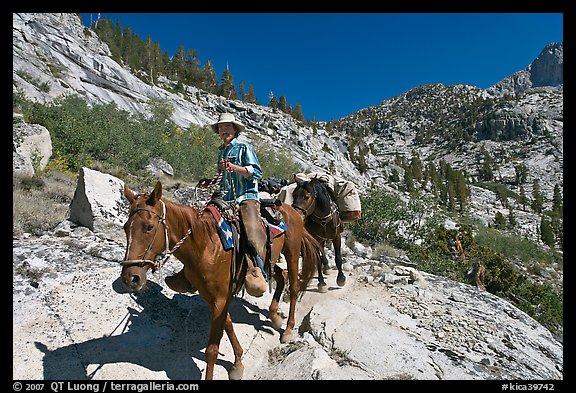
x=337 y=242
x=237 y=370
x=219 y=315
x=325 y=264
x=280 y=277
x=292 y=262
x=322 y=287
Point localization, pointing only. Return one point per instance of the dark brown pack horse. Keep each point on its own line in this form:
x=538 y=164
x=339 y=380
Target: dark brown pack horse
x=322 y=219
x=156 y=226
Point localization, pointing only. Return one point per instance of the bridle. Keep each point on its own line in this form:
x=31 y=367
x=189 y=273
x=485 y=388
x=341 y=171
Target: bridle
x=155 y=264
x=309 y=212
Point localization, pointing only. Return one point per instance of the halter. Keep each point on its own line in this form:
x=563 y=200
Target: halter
x=323 y=221
x=155 y=264
x=310 y=210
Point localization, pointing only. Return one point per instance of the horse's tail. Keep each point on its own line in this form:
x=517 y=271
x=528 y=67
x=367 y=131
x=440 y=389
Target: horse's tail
x=312 y=253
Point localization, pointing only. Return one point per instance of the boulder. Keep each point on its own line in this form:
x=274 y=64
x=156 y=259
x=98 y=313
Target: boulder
x=99 y=204
x=32 y=148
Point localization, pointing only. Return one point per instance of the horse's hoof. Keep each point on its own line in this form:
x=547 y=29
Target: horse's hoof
x=236 y=373
x=286 y=338
x=322 y=288
x=276 y=321
x=326 y=270
x=341 y=280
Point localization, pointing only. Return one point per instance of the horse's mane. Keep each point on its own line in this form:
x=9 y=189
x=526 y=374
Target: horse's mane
x=323 y=195
x=192 y=216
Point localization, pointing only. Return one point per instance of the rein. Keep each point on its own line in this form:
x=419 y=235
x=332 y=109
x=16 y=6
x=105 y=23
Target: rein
x=162 y=258
x=156 y=263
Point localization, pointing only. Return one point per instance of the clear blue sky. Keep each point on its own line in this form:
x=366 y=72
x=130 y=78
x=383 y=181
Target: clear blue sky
x=335 y=64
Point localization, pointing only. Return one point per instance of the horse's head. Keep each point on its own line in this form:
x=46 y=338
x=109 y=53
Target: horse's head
x=146 y=236
x=304 y=198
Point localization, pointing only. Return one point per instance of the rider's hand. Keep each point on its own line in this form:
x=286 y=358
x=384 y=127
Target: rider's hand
x=225 y=165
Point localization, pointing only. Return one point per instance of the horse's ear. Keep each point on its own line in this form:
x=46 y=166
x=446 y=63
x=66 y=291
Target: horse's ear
x=156 y=194
x=129 y=194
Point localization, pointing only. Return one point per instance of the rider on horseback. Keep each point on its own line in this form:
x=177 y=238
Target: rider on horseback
x=240 y=184
x=241 y=172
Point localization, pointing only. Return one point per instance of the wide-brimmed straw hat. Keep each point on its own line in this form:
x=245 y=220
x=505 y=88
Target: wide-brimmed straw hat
x=228 y=118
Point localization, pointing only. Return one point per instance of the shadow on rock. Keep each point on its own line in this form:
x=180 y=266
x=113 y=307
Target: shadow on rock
x=165 y=335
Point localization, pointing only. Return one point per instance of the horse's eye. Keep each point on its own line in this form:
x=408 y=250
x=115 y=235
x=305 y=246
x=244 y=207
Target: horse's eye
x=149 y=227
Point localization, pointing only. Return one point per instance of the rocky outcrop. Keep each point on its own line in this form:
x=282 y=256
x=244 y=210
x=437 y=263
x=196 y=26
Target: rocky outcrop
x=547 y=70
x=445 y=330
x=160 y=168
x=31 y=148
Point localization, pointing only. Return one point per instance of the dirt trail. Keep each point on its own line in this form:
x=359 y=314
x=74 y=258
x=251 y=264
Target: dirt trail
x=85 y=326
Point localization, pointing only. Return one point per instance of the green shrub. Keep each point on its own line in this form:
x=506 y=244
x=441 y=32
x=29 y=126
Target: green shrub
x=512 y=246
x=381 y=217
x=276 y=163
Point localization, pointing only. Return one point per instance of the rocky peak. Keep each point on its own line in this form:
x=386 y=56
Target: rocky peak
x=545 y=71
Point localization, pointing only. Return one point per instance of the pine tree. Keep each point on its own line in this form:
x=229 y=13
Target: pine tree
x=502 y=195
x=273 y=103
x=408 y=180
x=416 y=167
x=499 y=221
x=242 y=91
x=178 y=65
x=435 y=178
x=557 y=207
x=394 y=176
x=297 y=113
x=227 y=88
x=511 y=217
x=558 y=228
x=118 y=42
x=251 y=96
x=282 y=104
x=486 y=172
x=192 y=73
x=208 y=79
x=521 y=174
x=546 y=233
x=537 y=197
x=522 y=198
x=150 y=61
x=462 y=190
x=451 y=189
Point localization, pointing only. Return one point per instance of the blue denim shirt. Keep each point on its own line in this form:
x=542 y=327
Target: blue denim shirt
x=242 y=154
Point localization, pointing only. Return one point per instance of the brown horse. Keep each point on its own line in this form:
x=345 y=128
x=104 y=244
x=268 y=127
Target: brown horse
x=157 y=226
x=322 y=219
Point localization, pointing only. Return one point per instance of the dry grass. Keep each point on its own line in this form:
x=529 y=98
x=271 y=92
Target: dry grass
x=384 y=249
x=41 y=203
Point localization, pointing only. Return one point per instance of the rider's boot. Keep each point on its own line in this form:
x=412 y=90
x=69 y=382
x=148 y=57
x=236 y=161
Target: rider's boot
x=255 y=281
x=178 y=283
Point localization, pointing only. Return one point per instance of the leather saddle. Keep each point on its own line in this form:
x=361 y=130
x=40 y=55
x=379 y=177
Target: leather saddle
x=270 y=215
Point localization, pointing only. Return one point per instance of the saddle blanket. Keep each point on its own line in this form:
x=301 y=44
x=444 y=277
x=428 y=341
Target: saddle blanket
x=225 y=228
